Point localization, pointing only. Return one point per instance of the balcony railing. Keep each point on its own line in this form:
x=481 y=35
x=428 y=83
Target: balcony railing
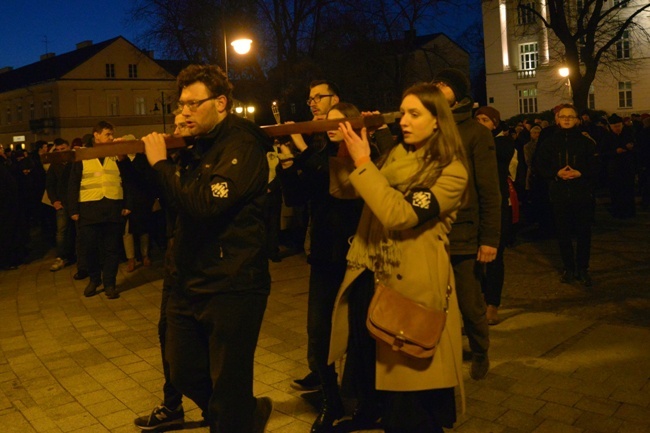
x=529 y=73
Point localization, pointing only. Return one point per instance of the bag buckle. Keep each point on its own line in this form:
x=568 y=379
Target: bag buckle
x=399 y=341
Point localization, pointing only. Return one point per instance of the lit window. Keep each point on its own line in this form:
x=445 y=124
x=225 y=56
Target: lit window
x=528 y=100
x=140 y=107
x=528 y=56
x=591 y=99
x=114 y=106
x=624 y=94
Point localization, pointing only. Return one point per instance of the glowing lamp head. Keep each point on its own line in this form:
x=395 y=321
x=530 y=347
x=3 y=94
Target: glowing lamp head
x=564 y=72
x=242 y=46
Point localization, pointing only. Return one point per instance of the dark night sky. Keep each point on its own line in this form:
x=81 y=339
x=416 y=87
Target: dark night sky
x=27 y=25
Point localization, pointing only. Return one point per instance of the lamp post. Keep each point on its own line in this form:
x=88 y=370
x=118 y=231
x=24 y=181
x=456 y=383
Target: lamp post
x=564 y=73
x=163 y=111
x=241 y=46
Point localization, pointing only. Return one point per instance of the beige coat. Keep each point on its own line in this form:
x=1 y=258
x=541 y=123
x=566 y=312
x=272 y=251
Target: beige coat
x=422 y=274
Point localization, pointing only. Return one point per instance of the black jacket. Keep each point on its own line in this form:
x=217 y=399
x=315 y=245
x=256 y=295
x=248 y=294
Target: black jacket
x=479 y=220
x=219 y=193
x=568 y=147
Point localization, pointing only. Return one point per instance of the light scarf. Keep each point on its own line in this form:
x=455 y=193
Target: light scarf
x=373 y=247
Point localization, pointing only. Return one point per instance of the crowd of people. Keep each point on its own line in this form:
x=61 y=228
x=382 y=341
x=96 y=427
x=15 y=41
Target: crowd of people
x=425 y=208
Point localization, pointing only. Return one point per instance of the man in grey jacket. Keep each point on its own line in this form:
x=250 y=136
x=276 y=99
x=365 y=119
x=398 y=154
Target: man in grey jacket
x=474 y=237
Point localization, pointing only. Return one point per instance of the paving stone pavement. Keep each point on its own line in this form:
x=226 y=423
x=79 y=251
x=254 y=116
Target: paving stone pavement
x=564 y=359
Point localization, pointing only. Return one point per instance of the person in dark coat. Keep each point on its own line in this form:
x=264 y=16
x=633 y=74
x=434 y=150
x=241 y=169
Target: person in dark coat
x=492 y=281
x=56 y=182
x=618 y=151
x=567 y=160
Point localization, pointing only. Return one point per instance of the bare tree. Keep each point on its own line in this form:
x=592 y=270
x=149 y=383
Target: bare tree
x=587 y=32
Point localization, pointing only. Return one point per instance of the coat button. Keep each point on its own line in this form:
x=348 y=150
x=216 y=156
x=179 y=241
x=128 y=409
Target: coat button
x=399 y=276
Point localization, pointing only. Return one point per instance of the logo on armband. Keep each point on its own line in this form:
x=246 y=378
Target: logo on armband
x=220 y=190
x=421 y=199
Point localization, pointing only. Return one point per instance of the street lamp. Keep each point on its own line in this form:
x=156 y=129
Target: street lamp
x=241 y=46
x=564 y=72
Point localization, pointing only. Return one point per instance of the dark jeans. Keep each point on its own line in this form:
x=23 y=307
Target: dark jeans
x=470 y=300
x=172 y=397
x=419 y=411
x=101 y=246
x=574 y=219
x=324 y=283
x=65 y=235
x=492 y=281
x=210 y=345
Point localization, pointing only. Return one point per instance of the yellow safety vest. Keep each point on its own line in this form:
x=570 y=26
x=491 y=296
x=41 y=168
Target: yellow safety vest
x=99 y=181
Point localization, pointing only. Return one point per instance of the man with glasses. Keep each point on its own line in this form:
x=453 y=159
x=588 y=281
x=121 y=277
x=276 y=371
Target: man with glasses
x=567 y=161
x=323 y=95
x=222 y=281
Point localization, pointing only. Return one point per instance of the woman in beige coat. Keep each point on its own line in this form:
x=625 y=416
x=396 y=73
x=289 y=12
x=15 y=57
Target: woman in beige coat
x=410 y=203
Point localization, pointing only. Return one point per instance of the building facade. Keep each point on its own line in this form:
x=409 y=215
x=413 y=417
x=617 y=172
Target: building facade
x=525 y=68
x=66 y=95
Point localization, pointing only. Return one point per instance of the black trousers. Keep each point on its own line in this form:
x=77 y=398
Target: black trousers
x=210 y=346
x=100 y=247
x=324 y=282
x=574 y=218
x=468 y=272
x=172 y=397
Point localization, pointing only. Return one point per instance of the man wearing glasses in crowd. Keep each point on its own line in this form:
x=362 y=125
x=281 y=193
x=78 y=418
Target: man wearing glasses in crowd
x=215 y=309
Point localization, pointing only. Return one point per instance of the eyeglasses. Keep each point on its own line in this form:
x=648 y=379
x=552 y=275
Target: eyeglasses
x=316 y=98
x=193 y=105
x=567 y=117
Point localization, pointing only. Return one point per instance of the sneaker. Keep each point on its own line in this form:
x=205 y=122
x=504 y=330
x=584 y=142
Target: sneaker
x=161 y=417
x=262 y=414
x=311 y=382
x=58 y=264
x=480 y=366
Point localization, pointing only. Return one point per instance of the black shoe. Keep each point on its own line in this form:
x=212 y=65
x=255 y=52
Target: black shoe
x=161 y=418
x=91 y=289
x=567 y=277
x=80 y=275
x=480 y=366
x=310 y=382
x=365 y=417
x=331 y=411
x=584 y=278
x=111 y=292
x=263 y=409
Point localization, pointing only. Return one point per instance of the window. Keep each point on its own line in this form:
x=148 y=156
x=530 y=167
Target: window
x=624 y=94
x=47 y=108
x=526 y=13
x=623 y=46
x=528 y=56
x=591 y=99
x=133 y=71
x=528 y=100
x=113 y=105
x=140 y=107
x=8 y=115
x=19 y=113
x=110 y=70
x=32 y=114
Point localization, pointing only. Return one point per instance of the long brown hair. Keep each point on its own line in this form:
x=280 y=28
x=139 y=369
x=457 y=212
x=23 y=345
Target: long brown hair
x=444 y=145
